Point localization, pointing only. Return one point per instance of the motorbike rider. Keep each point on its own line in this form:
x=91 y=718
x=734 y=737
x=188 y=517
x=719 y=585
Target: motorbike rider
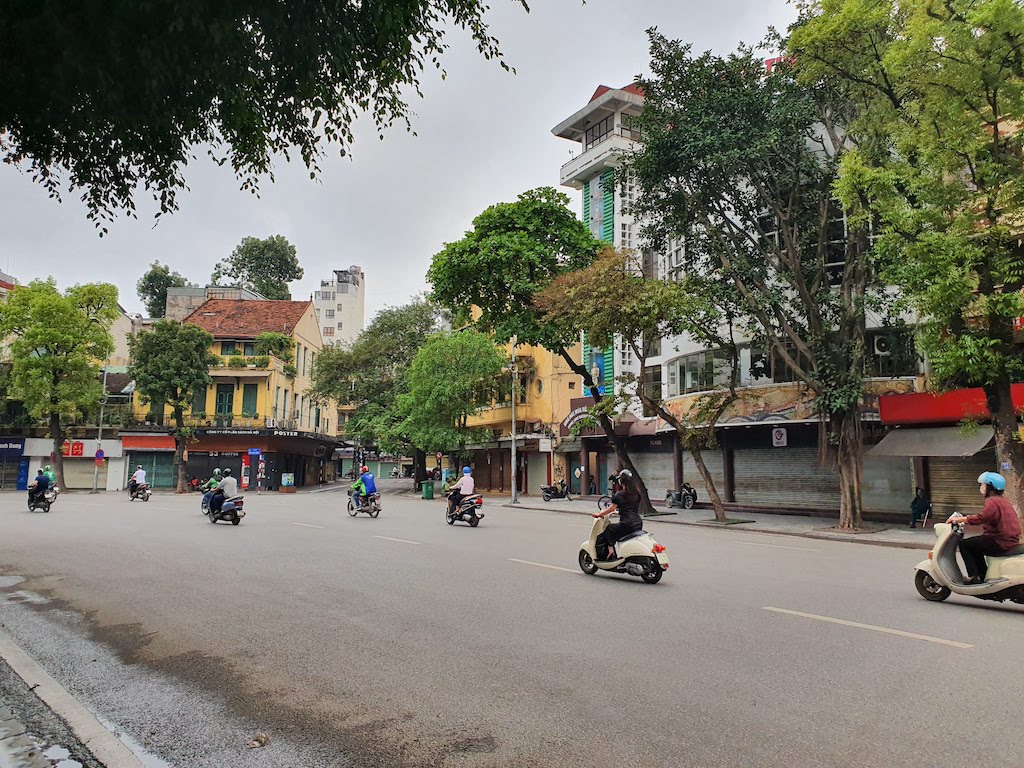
x=227 y=488
x=363 y=487
x=138 y=478
x=626 y=502
x=210 y=486
x=461 y=488
x=50 y=474
x=1000 y=524
x=38 y=488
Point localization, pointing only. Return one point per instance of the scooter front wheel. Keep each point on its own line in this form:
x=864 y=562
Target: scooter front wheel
x=687 y=501
x=546 y=497
x=351 y=508
x=587 y=564
x=449 y=518
x=929 y=588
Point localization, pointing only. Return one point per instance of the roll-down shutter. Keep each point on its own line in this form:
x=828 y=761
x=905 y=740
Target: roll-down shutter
x=786 y=477
x=954 y=482
x=713 y=461
x=656 y=471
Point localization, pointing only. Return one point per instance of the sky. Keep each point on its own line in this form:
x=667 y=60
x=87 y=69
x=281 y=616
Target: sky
x=483 y=136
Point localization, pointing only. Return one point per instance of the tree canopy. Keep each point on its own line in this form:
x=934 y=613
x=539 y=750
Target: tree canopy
x=265 y=266
x=153 y=285
x=109 y=99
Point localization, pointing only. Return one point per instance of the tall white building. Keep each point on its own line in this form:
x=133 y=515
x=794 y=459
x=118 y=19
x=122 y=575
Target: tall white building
x=341 y=305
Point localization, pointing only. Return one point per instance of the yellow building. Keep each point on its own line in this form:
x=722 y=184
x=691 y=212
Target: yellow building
x=546 y=386
x=257 y=409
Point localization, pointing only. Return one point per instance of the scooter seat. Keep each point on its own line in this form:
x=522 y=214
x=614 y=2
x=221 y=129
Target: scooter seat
x=632 y=535
x=233 y=499
x=1015 y=552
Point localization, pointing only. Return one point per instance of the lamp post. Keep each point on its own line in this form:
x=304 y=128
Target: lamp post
x=515 y=382
x=99 y=429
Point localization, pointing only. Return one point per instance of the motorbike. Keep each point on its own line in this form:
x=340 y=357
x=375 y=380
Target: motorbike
x=470 y=510
x=370 y=505
x=685 y=497
x=140 y=491
x=939 y=576
x=394 y=474
x=232 y=509
x=637 y=554
x=557 y=491
x=49 y=496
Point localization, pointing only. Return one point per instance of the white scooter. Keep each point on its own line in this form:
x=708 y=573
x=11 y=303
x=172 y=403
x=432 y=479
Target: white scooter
x=940 y=575
x=637 y=554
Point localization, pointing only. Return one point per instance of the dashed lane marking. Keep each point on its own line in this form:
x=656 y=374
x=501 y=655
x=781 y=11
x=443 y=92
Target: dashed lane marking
x=403 y=541
x=872 y=627
x=777 y=546
x=307 y=525
x=544 y=565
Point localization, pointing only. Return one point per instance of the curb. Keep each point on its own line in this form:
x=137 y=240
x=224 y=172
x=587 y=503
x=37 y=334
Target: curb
x=851 y=538
x=98 y=739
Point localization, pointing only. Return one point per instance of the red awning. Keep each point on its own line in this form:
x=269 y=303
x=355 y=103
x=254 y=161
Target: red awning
x=945 y=408
x=147 y=442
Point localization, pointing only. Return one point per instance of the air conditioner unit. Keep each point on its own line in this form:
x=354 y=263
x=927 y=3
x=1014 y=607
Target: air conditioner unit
x=883 y=346
x=271 y=423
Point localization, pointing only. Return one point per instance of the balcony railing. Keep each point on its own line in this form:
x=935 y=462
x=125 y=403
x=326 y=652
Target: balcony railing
x=628 y=133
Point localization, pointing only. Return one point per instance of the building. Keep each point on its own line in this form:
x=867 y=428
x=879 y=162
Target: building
x=7 y=283
x=182 y=302
x=341 y=306
x=256 y=410
x=769 y=440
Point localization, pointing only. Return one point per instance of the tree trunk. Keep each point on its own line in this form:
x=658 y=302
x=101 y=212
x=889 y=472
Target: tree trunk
x=419 y=468
x=693 y=445
x=179 y=451
x=57 y=435
x=1009 y=451
x=850 y=462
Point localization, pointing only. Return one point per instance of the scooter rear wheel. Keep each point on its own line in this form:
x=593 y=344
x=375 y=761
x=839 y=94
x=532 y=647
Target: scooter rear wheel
x=474 y=522
x=653 y=574
x=929 y=588
x=546 y=497
x=587 y=564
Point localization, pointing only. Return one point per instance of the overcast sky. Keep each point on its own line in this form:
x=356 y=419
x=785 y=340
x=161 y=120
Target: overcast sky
x=484 y=136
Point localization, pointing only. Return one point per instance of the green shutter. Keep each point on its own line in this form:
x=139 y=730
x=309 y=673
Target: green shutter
x=609 y=363
x=249 y=398
x=586 y=204
x=608 y=206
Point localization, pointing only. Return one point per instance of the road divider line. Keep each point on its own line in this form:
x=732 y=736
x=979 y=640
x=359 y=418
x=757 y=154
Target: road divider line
x=544 y=565
x=403 y=541
x=872 y=627
x=776 y=546
x=307 y=525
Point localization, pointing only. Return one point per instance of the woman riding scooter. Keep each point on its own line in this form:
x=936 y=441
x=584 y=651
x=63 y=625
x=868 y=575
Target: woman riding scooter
x=1000 y=524
x=626 y=502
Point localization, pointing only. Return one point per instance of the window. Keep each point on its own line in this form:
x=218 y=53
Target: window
x=228 y=348
x=199 y=401
x=572 y=385
x=328 y=330
x=597 y=133
x=626 y=235
x=625 y=353
x=329 y=314
x=316 y=295
x=249 y=349
x=249 y=399
x=699 y=372
x=890 y=353
x=339 y=325
x=343 y=288
x=670 y=265
x=340 y=307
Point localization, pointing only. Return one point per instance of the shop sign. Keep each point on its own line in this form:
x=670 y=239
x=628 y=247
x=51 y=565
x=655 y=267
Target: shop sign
x=580 y=411
x=286 y=433
x=229 y=431
x=76 y=448
x=780 y=437
x=544 y=445
x=288 y=479
x=10 y=447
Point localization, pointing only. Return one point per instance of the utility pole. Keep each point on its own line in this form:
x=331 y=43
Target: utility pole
x=99 y=430
x=515 y=382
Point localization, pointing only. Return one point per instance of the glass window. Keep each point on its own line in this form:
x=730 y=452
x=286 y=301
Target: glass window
x=328 y=330
x=598 y=132
x=329 y=314
x=228 y=348
x=249 y=349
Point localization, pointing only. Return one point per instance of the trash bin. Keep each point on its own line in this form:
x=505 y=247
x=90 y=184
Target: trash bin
x=428 y=489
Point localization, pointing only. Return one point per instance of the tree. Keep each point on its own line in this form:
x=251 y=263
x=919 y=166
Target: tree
x=59 y=342
x=153 y=285
x=452 y=377
x=612 y=299
x=739 y=162
x=373 y=375
x=244 y=81
x=514 y=251
x=264 y=266
x=170 y=363
x=942 y=169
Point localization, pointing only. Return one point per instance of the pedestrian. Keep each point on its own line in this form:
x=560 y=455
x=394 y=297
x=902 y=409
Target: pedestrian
x=919 y=507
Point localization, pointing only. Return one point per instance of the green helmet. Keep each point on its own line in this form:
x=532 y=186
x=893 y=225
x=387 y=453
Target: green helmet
x=216 y=471
x=46 y=468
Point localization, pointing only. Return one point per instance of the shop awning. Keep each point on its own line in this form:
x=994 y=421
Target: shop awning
x=939 y=441
x=569 y=445
x=147 y=442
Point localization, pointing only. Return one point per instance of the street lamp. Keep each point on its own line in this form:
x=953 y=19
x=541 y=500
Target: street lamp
x=515 y=381
x=99 y=430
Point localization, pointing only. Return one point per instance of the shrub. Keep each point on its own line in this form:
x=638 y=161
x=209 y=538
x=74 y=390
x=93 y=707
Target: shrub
x=236 y=361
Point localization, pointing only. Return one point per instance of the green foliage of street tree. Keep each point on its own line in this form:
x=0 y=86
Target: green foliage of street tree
x=109 y=99
x=374 y=373
x=153 y=285
x=59 y=341
x=513 y=252
x=277 y=344
x=265 y=266
x=452 y=377
x=613 y=299
x=170 y=363
x=941 y=92
x=740 y=162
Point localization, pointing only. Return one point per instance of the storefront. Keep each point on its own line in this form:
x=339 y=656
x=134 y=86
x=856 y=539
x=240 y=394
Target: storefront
x=80 y=466
x=155 y=454
x=13 y=464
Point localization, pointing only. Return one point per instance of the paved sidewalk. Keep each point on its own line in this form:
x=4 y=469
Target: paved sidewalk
x=881 y=534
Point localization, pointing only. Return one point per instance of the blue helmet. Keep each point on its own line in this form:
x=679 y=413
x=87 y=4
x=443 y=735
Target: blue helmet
x=466 y=470
x=997 y=481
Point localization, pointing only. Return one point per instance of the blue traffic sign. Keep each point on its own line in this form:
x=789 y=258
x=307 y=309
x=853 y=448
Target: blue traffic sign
x=254 y=451
x=100 y=454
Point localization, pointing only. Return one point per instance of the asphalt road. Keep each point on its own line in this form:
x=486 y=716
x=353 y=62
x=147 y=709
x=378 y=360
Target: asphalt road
x=402 y=641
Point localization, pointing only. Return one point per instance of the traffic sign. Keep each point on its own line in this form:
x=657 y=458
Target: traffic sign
x=100 y=454
x=780 y=438
x=254 y=451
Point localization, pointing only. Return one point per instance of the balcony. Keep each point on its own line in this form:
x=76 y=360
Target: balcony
x=606 y=153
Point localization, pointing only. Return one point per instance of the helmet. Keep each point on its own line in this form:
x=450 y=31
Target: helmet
x=139 y=467
x=994 y=479
x=466 y=470
x=364 y=469
x=625 y=475
x=47 y=467
x=216 y=470
x=227 y=472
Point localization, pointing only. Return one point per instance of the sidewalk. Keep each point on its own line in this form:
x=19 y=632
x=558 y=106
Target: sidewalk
x=881 y=534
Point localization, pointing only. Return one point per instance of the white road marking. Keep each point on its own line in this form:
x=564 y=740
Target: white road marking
x=544 y=565
x=886 y=630
x=403 y=541
x=307 y=525
x=776 y=546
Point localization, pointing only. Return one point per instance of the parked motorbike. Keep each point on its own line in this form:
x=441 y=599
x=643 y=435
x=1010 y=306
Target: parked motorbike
x=685 y=497
x=470 y=510
x=139 y=491
x=43 y=503
x=394 y=474
x=939 y=576
x=232 y=509
x=637 y=554
x=370 y=505
x=557 y=491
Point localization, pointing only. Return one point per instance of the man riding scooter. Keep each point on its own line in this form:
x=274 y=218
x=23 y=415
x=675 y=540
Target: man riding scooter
x=363 y=487
x=1000 y=525
x=210 y=486
x=227 y=488
x=39 y=487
